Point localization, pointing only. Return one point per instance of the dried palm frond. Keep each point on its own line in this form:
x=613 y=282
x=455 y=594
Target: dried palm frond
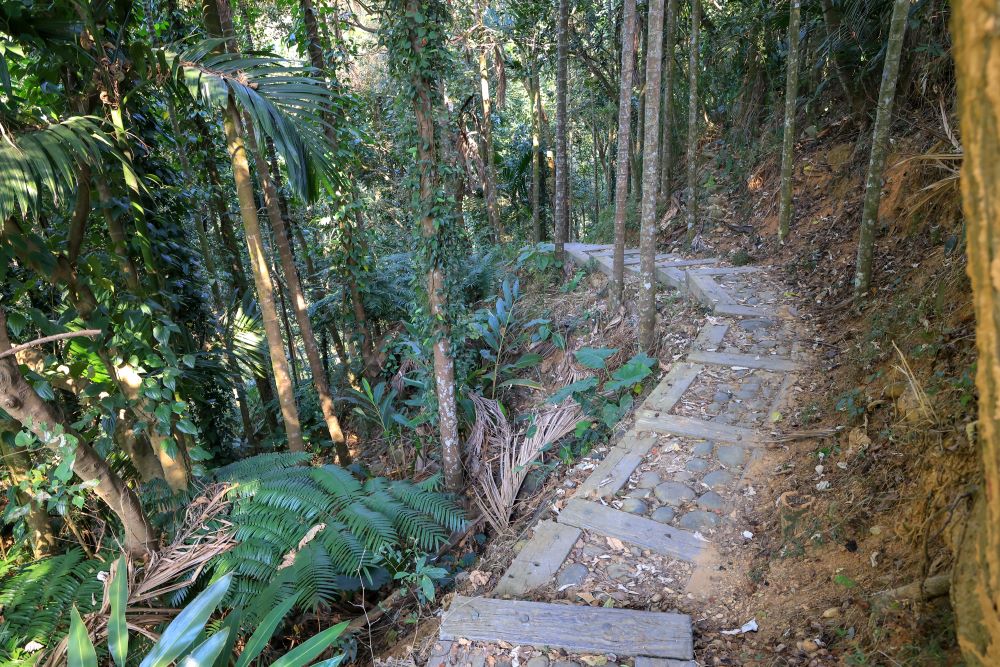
x=494 y=444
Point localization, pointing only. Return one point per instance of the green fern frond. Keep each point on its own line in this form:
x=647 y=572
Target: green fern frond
x=257 y=466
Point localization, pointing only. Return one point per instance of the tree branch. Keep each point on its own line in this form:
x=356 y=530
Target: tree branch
x=83 y=333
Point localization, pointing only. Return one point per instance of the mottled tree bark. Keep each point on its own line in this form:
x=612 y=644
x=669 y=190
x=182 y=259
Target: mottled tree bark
x=561 y=216
x=788 y=139
x=880 y=149
x=650 y=179
x=444 y=365
x=667 y=111
x=617 y=292
x=535 y=91
x=975 y=588
x=692 y=138
x=489 y=157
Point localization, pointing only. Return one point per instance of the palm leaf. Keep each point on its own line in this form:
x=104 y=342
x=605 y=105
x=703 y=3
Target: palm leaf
x=283 y=100
x=41 y=166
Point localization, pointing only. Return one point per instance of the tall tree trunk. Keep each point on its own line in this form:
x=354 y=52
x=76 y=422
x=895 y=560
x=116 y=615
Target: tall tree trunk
x=119 y=244
x=788 y=140
x=535 y=90
x=617 y=294
x=353 y=234
x=218 y=23
x=831 y=22
x=975 y=588
x=490 y=170
x=667 y=114
x=880 y=149
x=19 y=400
x=692 y=138
x=650 y=179
x=640 y=64
x=561 y=216
x=299 y=304
x=444 y=365
x=596 y=162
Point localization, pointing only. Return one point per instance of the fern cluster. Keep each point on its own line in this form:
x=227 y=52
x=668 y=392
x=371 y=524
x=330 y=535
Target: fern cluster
x=277 y=506
x=35 y=601
x=313 y=532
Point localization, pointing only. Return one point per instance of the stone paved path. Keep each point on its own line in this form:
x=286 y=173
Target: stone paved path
x=646 y=517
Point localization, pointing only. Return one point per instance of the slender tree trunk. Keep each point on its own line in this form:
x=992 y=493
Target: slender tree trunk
x=596 y=161
x=444 y=366
x=490 y=171
x=650 y=179
x=640 y=64
x=561 y=216
x=831 y=22
x=219 y=23
x=788 y=140
x=692 y=138
x=880 y=149
x=667 y=114
x=119 y=244
x=299 y=305
x=353 y=234
x=19 y=400
x=617 y=293
x=262 y=279
x=536 y=154
x=975 y=588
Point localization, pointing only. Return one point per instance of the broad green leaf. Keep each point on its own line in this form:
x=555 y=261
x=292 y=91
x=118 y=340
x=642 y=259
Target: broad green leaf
x=519 y=382
x=595 y=357
x=570 y=389
x=306 y=652
x=187 y=426
x=207 y=651
x=184 y=629
x=80 y=650
x=262 y=635
x=117 y=629
x=427 y=587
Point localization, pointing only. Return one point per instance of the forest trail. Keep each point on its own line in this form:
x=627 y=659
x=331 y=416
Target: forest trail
x=659 y=517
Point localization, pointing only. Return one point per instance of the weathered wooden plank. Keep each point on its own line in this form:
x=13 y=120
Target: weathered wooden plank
x=737 y=310
x=689 y=262
x=611 y=474
x=672 y=387
x=672 y=277
x=710 y=337
x=644 y=661
x=706 y=290
x=649 y=420
x=539 y=559
x=633 y=529
x=727 y=270
x=659 y=260
x=765 y=362
x=575 y=629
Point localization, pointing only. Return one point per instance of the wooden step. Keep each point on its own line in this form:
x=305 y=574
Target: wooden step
x=643 y=661
x=706 y=290
x=539 y=560
x=613 y=472
x=572 y=628
x=649 y=420
x=672 y=387
x=764 y=362
x=737 y=310
x=633 y=529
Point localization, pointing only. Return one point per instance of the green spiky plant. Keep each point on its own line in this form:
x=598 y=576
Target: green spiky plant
x=181 y=642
